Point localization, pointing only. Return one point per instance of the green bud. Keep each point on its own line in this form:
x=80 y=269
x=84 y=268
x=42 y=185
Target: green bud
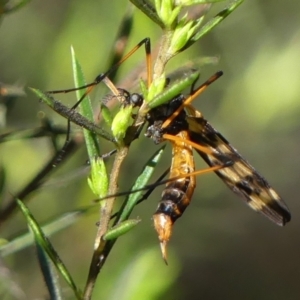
x=121 y=122
x=144 y=89
x=181 y=36
x=167 y=11
x=157 y=87
x=98 y=180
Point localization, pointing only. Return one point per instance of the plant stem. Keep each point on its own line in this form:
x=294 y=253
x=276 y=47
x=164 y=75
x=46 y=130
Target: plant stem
x=106 y=208
x=163 y=55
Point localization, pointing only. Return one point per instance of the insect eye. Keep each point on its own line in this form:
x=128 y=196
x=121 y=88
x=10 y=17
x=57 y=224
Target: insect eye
x=136 y=99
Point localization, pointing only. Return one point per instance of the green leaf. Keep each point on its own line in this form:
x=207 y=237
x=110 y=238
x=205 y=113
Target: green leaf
x=106 y=114
x=141 y=181
x=85 y=108
x=67 y=113
x=56 y=225
x=147 y=8
x=120 y=229
x=176 y=88
x=216 y=19
x=193 y=2
x=49 y=274
x=45 y=244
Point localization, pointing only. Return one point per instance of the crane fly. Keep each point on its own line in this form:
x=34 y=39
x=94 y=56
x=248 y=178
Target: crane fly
x=171 y=117
x=179 y=190
x=178 y=122
x=186 y=128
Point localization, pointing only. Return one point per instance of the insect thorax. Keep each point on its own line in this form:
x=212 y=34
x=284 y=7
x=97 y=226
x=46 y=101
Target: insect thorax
x=157 y=116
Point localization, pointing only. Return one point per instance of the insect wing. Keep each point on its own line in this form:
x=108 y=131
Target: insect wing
x=240 y=176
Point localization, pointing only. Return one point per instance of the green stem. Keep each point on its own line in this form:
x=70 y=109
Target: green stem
x=163 y=55
x=100 y=252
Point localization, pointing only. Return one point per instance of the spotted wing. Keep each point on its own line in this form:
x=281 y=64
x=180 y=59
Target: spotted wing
x=240 y=176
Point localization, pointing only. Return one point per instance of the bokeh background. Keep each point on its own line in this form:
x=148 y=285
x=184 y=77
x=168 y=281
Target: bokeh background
x=220 y=249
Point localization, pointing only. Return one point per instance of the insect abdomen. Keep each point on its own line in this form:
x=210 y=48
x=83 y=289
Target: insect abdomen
x=178 y=193
x=174 y=199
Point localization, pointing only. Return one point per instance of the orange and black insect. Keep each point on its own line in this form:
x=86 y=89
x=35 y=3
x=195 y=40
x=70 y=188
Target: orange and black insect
x=178 y=191
x=186 y=128
x=171 y=117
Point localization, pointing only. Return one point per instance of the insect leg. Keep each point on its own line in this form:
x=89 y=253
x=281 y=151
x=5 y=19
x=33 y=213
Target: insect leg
x=189 y=99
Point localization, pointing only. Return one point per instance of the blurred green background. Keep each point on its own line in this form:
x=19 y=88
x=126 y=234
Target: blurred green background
x=220 y=249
